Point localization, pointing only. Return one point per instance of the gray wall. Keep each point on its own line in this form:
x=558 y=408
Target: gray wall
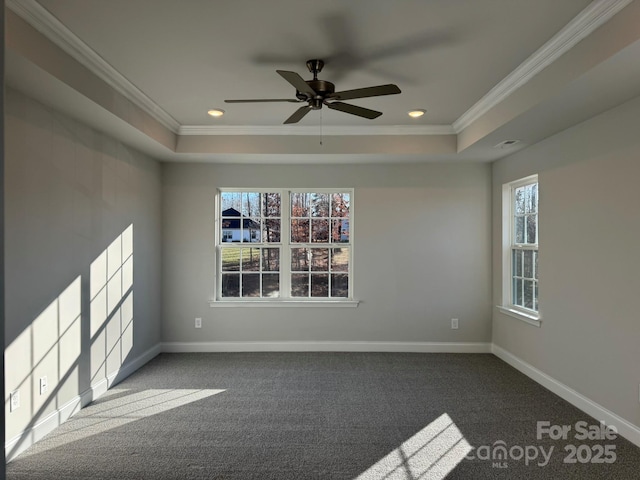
x=83 y=254
x=422 y=255
x=589 y=259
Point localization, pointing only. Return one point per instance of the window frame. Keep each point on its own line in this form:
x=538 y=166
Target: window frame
x=285 y=245
x=508 y=306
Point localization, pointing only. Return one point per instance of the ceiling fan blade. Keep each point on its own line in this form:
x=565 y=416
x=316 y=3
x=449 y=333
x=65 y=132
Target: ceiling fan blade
x=354 y=110
x=262 y=100
x=297 y=81
x=298 y=114
x=377 y=91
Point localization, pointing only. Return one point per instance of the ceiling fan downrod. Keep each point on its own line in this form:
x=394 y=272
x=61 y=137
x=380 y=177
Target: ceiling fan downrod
x=315 y=67
x=322 y=88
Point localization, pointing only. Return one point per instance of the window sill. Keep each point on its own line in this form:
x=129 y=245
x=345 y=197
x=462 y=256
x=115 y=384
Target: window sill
x=285 y=303
x=531 y=319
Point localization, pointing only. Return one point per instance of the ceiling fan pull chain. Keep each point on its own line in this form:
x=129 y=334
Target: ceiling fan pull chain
x=320 y=127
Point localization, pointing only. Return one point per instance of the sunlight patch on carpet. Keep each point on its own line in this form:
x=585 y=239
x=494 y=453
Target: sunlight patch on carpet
x=117 y=408
x=432 y=453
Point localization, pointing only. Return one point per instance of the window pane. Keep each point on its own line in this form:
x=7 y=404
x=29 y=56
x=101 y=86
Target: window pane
x=271 y=285
x=319 y=204
x=340 y=231
x=299 y=204
x=528 y=294
x=517 y=291
x=531 y=199
x=339 y=259
x=340 y=204
x=251 y=285
x=231 y=231
x=250 y=259
x=535 y=297
x=300 y=231
x=271 y=230
x=517 y=263
x=299 y=285
x=531 y=228
x=230 y=259
x=339 y=285
x=320 y=285
x=535 y=264
x=519 y=200
x=320 y=259
x=271 y=204
x=528 y=264
x=250 y=204
x=300 y=259
x=519 y=229
x=231 y=200
x=230 y=285
x=270 y=259
x=251 y=230
x=320 y=231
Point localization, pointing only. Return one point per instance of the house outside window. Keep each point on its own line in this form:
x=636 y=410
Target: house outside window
x=284 y=245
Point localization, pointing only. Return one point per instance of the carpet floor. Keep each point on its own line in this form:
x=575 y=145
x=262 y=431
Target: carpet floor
x=356 y=416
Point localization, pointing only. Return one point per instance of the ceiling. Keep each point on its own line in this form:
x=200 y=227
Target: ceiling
x=486 y=71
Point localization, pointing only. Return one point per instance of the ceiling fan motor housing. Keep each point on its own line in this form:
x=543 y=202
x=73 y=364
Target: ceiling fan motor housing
x=322 y=88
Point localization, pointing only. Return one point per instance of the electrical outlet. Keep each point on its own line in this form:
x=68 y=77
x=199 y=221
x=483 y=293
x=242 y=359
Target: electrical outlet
x=44 y=385
x=454 y=323
x=14 y=400
x=198 y=322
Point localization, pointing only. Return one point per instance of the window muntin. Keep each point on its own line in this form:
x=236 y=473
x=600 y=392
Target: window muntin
x=284 y=244
x=524 y=245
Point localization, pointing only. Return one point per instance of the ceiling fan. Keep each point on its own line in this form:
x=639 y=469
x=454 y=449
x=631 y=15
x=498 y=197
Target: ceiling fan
x=320 y=92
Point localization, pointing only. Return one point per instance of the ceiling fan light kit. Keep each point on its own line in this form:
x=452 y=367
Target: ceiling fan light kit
x=317 y=93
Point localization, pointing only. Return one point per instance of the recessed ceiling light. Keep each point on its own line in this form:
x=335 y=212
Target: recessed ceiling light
x=216 y=112
x=417 y=113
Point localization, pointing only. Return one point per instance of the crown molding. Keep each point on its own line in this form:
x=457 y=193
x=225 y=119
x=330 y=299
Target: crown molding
x=592 y=17
x=316 y=130
x=42 y=20
x=589 y=19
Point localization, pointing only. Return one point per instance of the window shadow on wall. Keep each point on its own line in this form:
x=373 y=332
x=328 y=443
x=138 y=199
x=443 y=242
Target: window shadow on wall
x=76 y=346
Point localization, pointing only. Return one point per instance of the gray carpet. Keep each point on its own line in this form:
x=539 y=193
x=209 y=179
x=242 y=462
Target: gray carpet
x=365 y=416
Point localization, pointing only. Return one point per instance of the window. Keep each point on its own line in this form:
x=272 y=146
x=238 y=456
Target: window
x=284 y=245
x=520 y=240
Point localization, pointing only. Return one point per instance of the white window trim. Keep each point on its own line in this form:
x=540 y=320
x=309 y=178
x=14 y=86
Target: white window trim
x=284 y=301
x=528 y=316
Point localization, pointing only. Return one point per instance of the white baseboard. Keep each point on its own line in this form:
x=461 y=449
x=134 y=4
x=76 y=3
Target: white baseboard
x=417 y=347
x=625 y=428
x=16 y=445
x=100 y=388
